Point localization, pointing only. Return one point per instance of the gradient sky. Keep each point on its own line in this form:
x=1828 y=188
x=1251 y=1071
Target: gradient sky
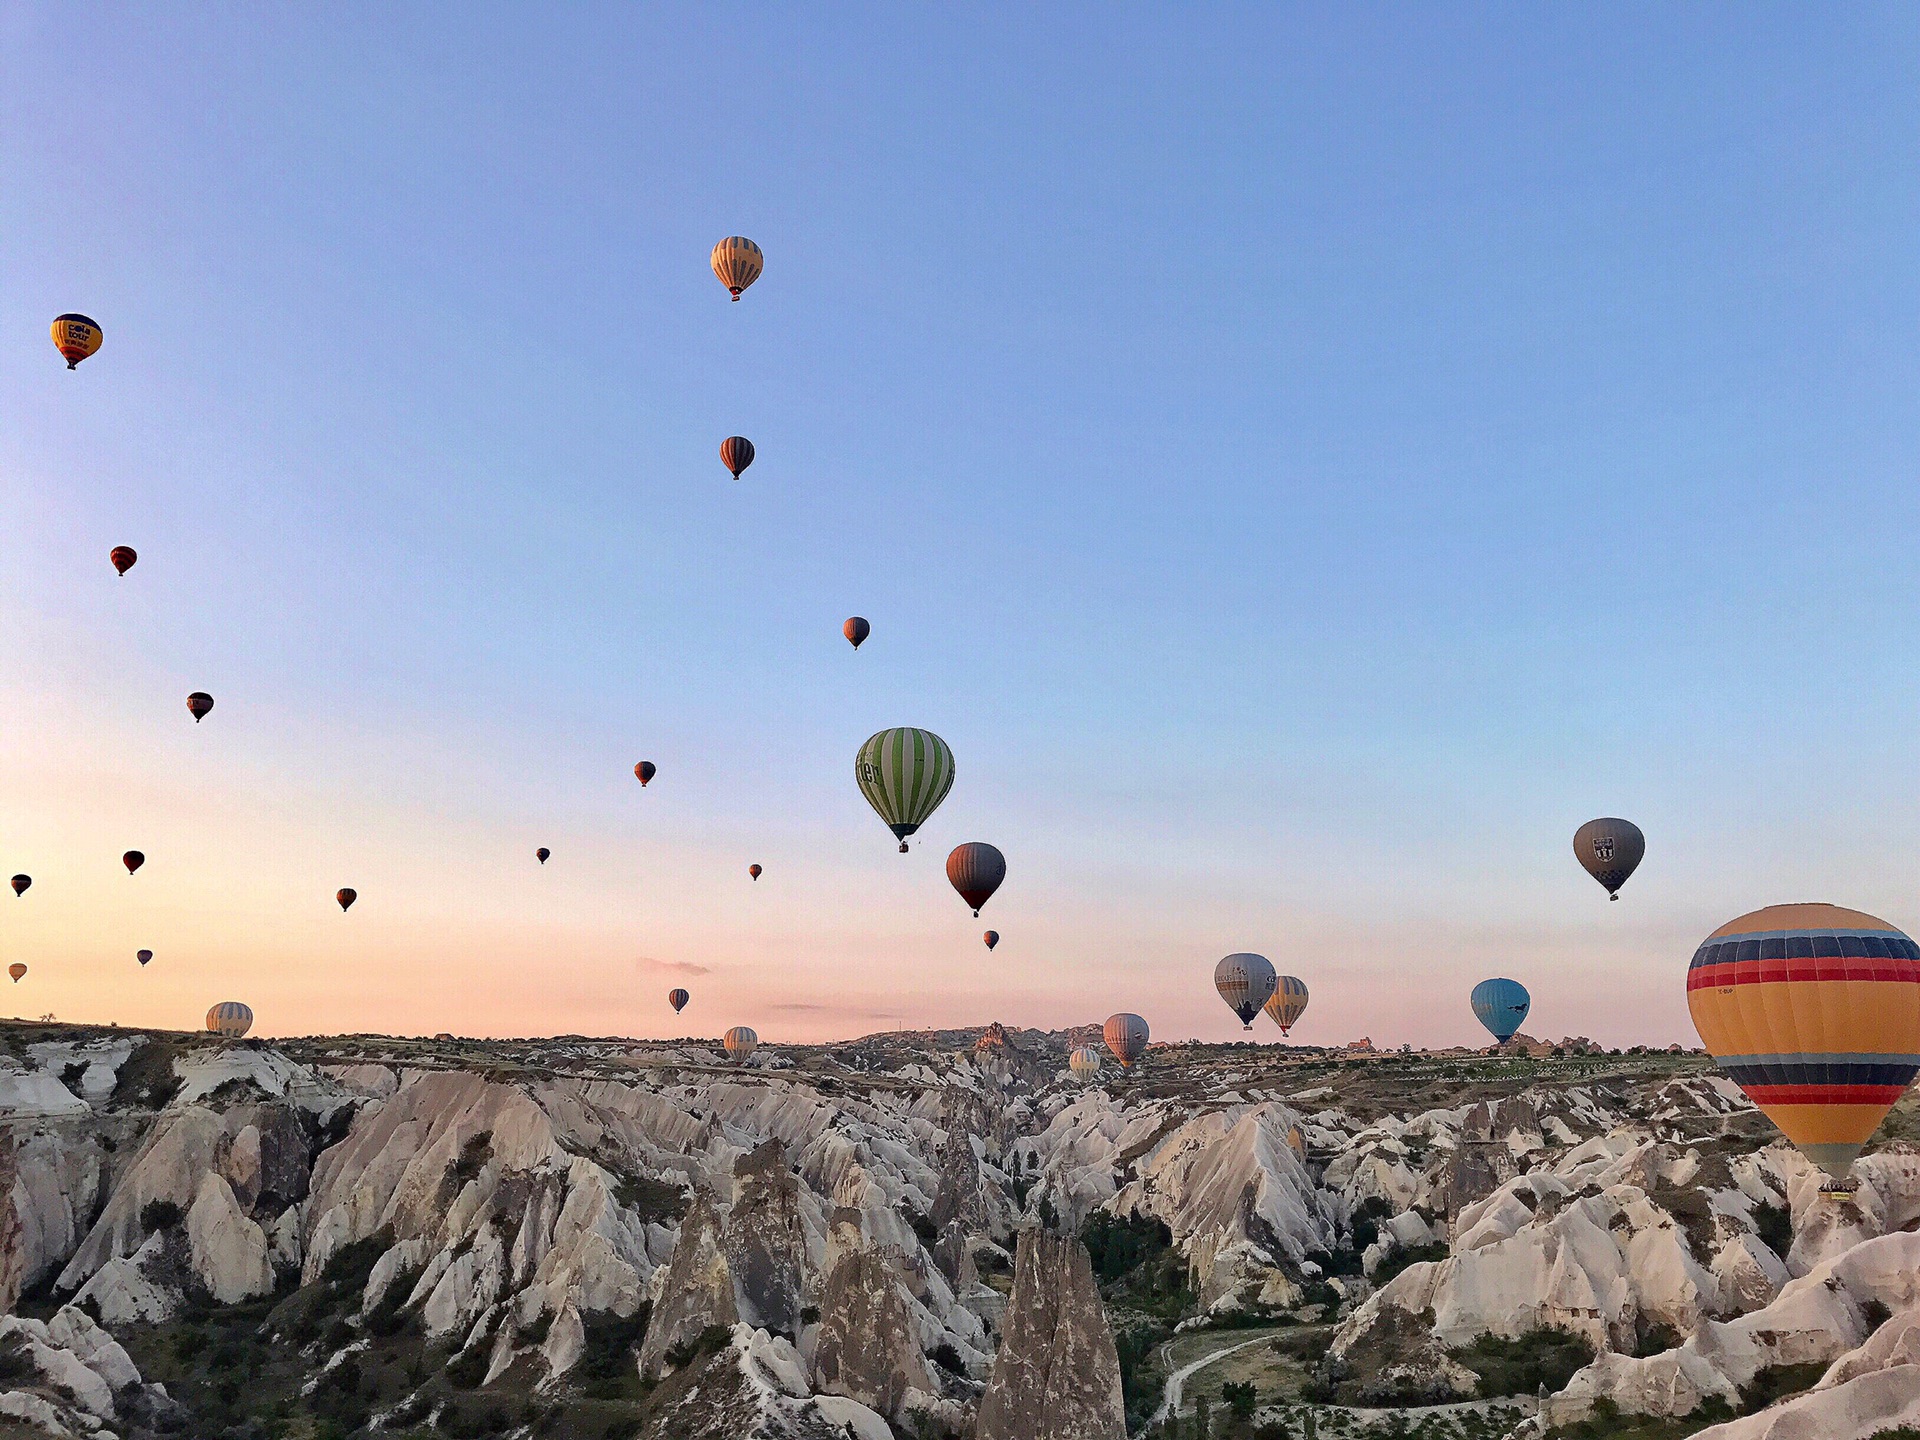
x=1304 y=460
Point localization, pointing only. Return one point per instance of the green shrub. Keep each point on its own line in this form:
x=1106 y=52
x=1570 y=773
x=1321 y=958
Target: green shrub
x=1777 y=1382
x=160 y=1215
x=1542 y=1356
x=1774 y=1225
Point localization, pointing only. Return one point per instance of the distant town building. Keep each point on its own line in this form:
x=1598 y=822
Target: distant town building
x=1362 y=1046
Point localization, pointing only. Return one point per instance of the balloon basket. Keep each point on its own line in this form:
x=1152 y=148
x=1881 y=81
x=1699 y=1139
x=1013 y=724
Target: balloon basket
x=1848 y=1187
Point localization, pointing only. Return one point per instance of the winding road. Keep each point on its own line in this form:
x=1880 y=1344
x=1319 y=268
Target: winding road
x=1170 y=1402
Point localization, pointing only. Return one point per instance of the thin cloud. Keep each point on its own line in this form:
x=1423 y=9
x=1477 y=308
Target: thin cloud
x=670 y=967
x=801 y=1007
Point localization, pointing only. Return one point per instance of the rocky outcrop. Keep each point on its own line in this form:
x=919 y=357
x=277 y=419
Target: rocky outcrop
x=867 y=1347
x=693 y=1293
x=765 y=1240
x=755 y=1388
x=68 y=1377
x=1057 y=1376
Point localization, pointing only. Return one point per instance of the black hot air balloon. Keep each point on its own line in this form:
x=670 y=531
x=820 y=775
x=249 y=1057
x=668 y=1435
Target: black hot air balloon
x=143 y=956
x=346 y=897
x=20 y=884
x=123 y=557
x=541 y=854
x=992 y=937
x=736 y=453
x=644 y=772
x=678 y=1000
x=754 y=871
x=199 y=703
x=856 y=629
x=133 y=860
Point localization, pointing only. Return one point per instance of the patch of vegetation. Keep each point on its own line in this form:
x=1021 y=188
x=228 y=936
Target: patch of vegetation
x=1774 y=1225
x=1776 y=1382
x=159 y=1215
x=473 y=1157
x=1136 y=1266
x=16 y=1365
x=145 y=1079
x=710 y=1341
x=1143 y=1380
x=658 y=1202
x=1875 y=1314
x=1607 y=1423
x=609 y=1366
x=1542 y=1356
x=1655 y=1340
x=948 y=1359
x=469 y=1367
x=1400 y=1259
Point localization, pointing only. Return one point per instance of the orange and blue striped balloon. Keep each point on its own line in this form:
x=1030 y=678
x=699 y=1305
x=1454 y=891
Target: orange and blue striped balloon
x=1814 y=1011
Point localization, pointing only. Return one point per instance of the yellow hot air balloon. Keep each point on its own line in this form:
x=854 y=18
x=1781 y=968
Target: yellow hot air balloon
x=230 y=1018
x=1287 y=1003
x=77 y=336
x=1814 y=1011
x=741 y=1042
x=738 y=262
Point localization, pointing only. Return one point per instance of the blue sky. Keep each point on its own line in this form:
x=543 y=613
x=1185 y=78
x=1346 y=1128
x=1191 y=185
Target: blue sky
x=1304 y=461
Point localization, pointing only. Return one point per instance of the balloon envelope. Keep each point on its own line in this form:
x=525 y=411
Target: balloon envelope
x=1501 y=1006
x=542 y=854
x=76 y=336
x=346 y=897
x=738 y=262
x=678 y=1000
x=1288 y=1003
x=16 y=970
x=741 y=1042
x=20 y=884
x=754 y=871
x=644 y=772
x=1609 y=850
x=230 y=1018
x=123 y=557
x=1126 y=1037
x=1245 y=981
x=1814 y=1011
x=133 y=860
x=1084 y=1062
x=736 y=453
x=904 y=773
x=992 y=937
x=856 y=630
x=976 y=869
x=199 y=703
x=143 y=956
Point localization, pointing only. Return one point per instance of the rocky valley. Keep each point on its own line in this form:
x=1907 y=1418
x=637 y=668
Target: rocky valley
x=929 y=1235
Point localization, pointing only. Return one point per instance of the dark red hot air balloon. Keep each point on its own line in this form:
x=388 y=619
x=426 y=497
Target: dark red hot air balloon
x=856 y=629
x=736 y=453
x=199 y=702
x=644 y=772
x=976 y=870
x=992 y=938
x=123 y=557
x=678 y=1000
x=754 y=871
x=541 y=854
x=133 y=860
x=20 y=884
x=347 y=897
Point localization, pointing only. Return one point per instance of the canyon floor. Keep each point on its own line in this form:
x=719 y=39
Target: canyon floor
x=943 y=1234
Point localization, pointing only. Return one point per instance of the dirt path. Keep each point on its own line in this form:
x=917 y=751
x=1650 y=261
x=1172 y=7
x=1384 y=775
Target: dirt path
x=1170 y=1402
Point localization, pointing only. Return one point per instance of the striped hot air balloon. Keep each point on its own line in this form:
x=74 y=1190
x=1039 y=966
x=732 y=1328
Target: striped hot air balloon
x=1501 y=1006
x=1245 y=981
x=736 y=453
x=230 y=1018
x=1084 y=1063
x=1126 y=1037
x=741 y=1042
x=856 y=630
x=1814 y=1011
x=904 y=773
x=1288 y=1003
x=738 y=262
x=123 y=558
x=678 y=1000
x=976 y=869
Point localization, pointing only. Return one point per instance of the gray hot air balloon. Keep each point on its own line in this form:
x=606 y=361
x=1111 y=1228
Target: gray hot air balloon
x=976 y=869
x=1084 y=1063
x=1609 y=850
x=1245 y=981
x=1126 y=1037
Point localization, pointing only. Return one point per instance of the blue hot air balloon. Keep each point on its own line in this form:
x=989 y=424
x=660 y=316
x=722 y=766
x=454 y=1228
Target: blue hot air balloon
x=1501 y=1006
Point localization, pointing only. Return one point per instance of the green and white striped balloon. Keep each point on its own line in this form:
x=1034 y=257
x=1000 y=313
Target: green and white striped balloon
x=904 y=773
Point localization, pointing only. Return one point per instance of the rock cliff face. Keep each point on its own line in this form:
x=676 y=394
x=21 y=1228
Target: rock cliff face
x=1057 y=1376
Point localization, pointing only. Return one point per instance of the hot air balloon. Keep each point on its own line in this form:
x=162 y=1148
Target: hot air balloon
x=1126 y=1037
x=230 y=1018
x=1814 y=1011
x=1288 y=1003
x=856 y=630
x=644 y=772
x=77 y=337
x=143 y=956
x=976 y=869
x=20 y=884
x=754 y=871
x=16 y=970
x=741 y=1042
x=1245 y=981
x=736 y=453
x=133 y=860
x=346 y=897
x=123 y=557
x=738 y=262
x=904 y=773
x=542 y=854
x=992 y=937
x=1501 y=1006
x=199 y=703
x=1609 y=850
x=1084 y=1062
x=678 y=1000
